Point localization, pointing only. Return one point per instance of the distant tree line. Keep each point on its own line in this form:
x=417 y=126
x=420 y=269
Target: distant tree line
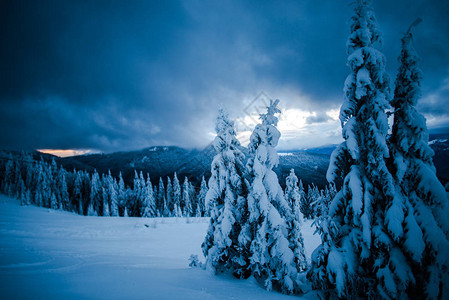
x=45 y=184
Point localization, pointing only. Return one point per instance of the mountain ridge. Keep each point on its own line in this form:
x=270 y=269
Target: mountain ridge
x=310 y=165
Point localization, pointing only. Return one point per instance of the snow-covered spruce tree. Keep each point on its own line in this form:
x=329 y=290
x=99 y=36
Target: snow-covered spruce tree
x=322 y=206
x=8 y=175
x=39 y=181
x=202 y=197
x=53 y=179
x=295 y=238
x=361 y=258
x=198 y=211
x=193 y=198
x=292 y=195
x=151 y=197
x=137 y=195
x=419 y=218
x=148 y=208
x=24 y=200
x=107 y=183
x=307 y=202
x=91 y=210
x=121 y=193
x=106 y=196
x=53 y=201
x=186 y=201
x=226 y=188
x=318 y=198
x=65 y=199
x=96 y=194
x=302 y=193
x=30 y=181
x=177 y=212
x=160 y=199
x=44 y=185
x=272 y=260
x=169 y=197
x=113 y=189
x=78 y=192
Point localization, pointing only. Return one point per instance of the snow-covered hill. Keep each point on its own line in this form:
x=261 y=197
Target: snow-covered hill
x=164 y=161
x=47 y=254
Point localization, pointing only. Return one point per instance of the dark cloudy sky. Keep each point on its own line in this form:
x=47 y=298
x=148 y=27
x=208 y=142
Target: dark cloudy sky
x=121 y=75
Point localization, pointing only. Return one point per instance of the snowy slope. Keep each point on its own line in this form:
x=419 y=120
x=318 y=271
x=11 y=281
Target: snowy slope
x=47 y=254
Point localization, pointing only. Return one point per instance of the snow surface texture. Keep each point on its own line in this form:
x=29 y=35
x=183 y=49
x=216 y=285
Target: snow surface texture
x=49 y=254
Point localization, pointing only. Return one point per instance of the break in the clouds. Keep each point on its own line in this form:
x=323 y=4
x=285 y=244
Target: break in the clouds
x=116 y=75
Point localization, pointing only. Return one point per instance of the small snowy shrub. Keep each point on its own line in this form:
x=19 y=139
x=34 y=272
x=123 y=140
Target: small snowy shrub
x=194 y=262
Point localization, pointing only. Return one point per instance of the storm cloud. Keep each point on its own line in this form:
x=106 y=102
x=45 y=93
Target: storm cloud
x=116 y=75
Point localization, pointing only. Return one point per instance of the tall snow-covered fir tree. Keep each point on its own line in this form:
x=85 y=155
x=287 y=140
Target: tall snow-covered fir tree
x=121 y=193
x=113 y=189
x=169 y=197
x=42 y=191
x=193 y=198
x=136 y=195
x=420 y=216
x=53 y=201
x=53 y=182
x=148 y=208
x=160 y=200
x=360 y=257
x=272 y=260
x=78 y=193
x=96 y=195
x=326 y=196
x=186 y=199
x=202 y=198
x=292 y=195
x=307 y=201
x=8 y=175
x=226 y=188
x=177 y=212
x=106 y=196
x=293 y=198
x=65 y=200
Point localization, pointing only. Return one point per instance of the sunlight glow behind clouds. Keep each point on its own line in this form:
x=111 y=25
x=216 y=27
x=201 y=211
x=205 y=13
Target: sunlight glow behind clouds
x=296 y=133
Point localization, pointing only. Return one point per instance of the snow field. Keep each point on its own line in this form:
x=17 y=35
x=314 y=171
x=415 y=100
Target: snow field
x=48 y=254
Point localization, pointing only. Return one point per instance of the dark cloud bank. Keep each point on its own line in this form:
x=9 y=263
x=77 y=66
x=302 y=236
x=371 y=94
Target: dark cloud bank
x=120 y=75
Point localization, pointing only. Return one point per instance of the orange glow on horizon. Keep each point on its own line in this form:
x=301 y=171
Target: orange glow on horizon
x=66 y=153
